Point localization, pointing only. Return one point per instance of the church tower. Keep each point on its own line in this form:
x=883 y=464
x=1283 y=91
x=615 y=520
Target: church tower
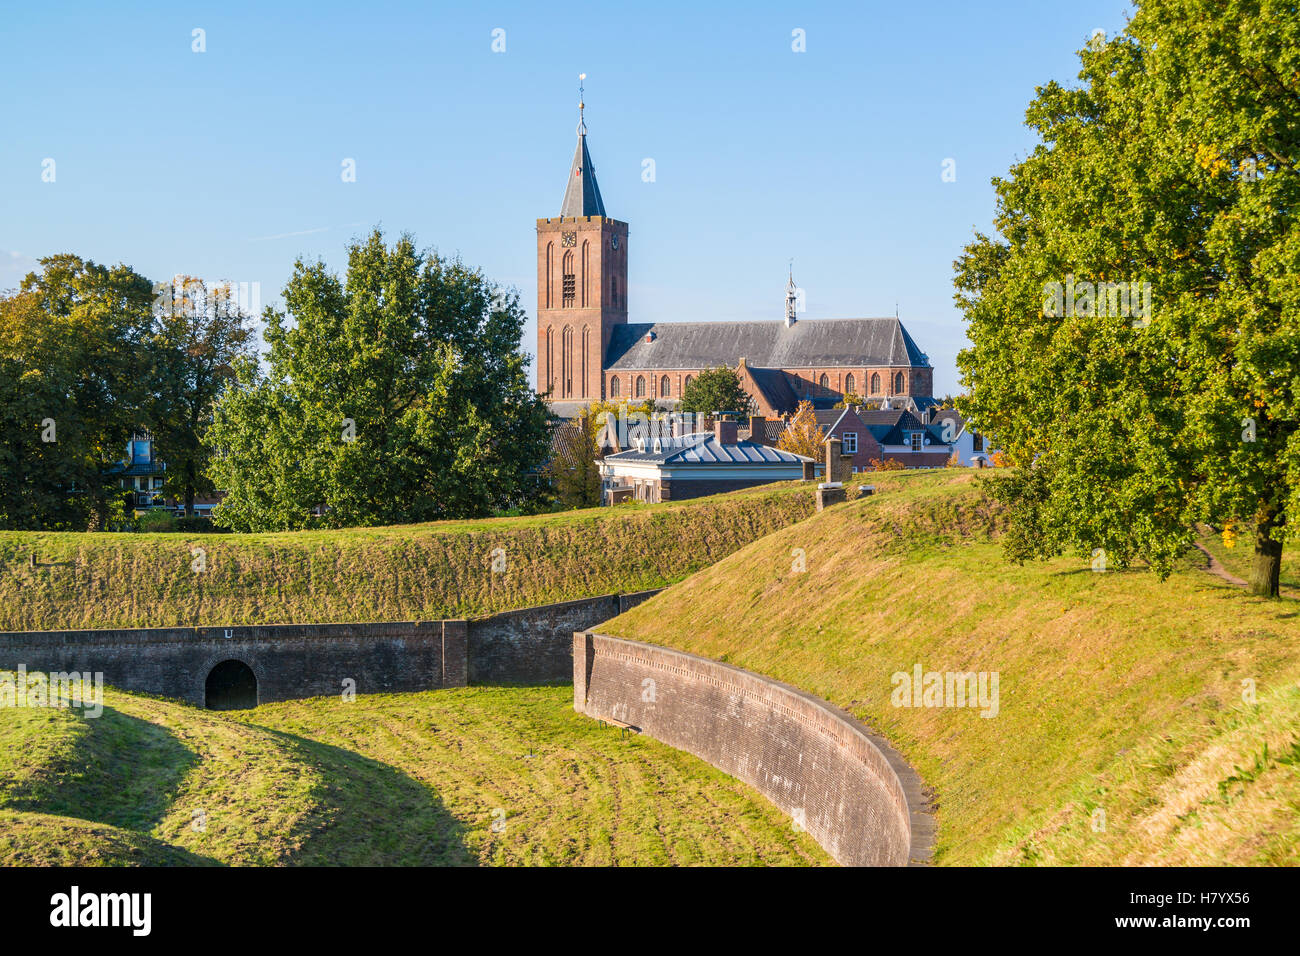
x=581 y=285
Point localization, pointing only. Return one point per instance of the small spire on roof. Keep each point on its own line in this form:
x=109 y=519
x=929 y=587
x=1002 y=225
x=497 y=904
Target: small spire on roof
x=791 y=298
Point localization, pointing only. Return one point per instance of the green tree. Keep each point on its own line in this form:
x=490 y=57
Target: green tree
x=574 y=467
x=73 y=384
x=716 y=390
x=401 y=395
x=199 y=335
x=1172 y=170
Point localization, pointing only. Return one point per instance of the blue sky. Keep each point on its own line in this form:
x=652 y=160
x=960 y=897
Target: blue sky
x=227 y=164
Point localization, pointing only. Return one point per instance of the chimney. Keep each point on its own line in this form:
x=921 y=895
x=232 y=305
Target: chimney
x=833 y=462
x=724 y=430
x=758 y=429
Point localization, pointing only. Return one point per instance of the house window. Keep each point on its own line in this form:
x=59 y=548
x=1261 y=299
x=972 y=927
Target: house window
x=849 y=383
x=976 y=441
x=850 y=443
x=640 y=386
x=665 y=387
x=613 y=387
x=898 y=384
x=916 y=441
x=875 y=383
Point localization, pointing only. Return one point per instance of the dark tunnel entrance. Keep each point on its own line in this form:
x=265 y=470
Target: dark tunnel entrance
x=231 y=686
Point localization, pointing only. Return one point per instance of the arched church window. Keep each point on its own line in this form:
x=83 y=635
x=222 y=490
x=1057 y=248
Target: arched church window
x=898 y=384
x=550 y=275
x=613 y=387
x=586 y=336
x=566 y=358
x=825 y=381
x=687 y=384
x=849 y=383
x=640 y=386
x=550 y=358
x=875 y=383
x=664 y=387
x=570 y=282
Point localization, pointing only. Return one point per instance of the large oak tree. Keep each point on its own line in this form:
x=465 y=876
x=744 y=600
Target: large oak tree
x=1173 y=163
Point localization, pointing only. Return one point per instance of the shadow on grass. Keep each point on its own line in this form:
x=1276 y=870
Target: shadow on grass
x=123 y=771
x=372 y=814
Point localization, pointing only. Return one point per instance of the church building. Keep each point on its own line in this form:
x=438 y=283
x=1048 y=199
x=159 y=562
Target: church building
x=588 y=351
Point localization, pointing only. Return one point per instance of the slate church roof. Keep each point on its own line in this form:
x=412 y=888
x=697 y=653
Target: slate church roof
x=807 y=343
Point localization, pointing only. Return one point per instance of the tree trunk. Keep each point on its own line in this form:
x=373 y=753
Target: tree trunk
x=1267 y=567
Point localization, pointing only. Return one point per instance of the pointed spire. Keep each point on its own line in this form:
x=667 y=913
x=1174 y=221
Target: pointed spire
x=581 y=194
x=791 y=299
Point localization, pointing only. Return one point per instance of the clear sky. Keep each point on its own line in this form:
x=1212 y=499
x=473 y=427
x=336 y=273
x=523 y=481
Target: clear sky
x=228 y=163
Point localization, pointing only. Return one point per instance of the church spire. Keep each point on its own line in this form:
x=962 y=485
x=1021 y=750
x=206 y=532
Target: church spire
x=791 y=299
x=582 y=195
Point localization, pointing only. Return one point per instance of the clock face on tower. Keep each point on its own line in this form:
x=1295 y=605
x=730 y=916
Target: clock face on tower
x=569 y=239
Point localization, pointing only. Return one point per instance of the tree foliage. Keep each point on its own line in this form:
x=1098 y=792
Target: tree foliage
x=200 y=333
x=803 y=436
x=398 y=396
x=1174 y=164
x=716 y=390
x=73 y=386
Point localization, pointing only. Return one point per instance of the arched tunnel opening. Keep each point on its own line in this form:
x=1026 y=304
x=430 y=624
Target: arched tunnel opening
x=231 y=685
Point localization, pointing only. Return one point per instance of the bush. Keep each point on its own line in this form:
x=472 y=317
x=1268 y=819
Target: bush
x=152 y=521
x=886 y=464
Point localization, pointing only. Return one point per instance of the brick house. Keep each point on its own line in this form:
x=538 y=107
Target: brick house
x=856 y=439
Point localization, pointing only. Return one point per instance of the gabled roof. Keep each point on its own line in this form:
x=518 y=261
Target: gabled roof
x=774 y=385
x=828 y=418
x=806 y=344
x=704 y=449
x=945 y=415
x=581 y=194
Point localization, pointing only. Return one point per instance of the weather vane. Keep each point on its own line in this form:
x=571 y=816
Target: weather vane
x=582 y=127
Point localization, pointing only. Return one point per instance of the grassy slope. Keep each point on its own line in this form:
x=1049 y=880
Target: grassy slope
x=1116 y=690
x=425 y=571
x=386 y=779
x=1239 y=558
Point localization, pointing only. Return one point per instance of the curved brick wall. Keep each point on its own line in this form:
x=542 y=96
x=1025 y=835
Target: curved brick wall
x=812 y=760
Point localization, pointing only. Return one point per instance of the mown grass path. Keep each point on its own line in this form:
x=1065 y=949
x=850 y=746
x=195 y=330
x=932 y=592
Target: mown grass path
x=498 y=776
